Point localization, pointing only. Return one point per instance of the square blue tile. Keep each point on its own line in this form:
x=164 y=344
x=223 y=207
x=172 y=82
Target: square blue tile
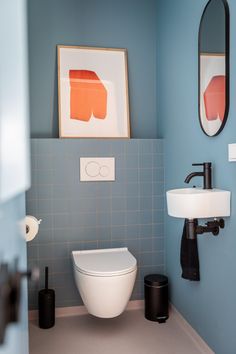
x=44 y=162
x=103 y=232
x=158 y=174
x=132 y=231
x=31 y=207
x=47 y=221
x=117 y=147
x=158 y=146
x=88 y=233
x=120 y=162
x=62 y=220
x=32 y=193
x=132 y=190
x=34 y=147
x=133 y=204
x=90 y=245
x=103 y=219
x=45 y=177
x=146 y=244
x=87 y=219
x=158 y=230
x=145 y=217
x=120 y=175
x=118 y=218
x=158 y=160
x=133 y=217
x=118 y=203
x=132 y=175
x=60 y=206
x=45 y=146
x=158 y=202
x=158 y=244
x=104 y=244
x=62 y=265
x=60 y=250
x=145 y=259
x=44 y=236
x=133 y=246
x=103 y=189
x=61 y=234
x=118 y=189
x=32 y=252
x=44 y=206
x=45 y=251
x=146 y=161
x=158 y=217
x=74 y=246
x=145 y=189
x=145 y=231
x=118 y=232
x=158 y=188
x=146 y=146
x=103 y=205
x=146 y=175
x=45 y=191
x=146 y=203
x=132 y=161
x=118 y=243
x=158 y=258
x=131 y=146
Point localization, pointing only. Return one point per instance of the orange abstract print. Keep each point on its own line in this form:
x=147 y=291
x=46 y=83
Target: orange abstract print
x=214 y=98
x=88 y=95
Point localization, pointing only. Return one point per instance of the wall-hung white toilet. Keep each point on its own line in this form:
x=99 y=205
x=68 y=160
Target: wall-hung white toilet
x=105 y=279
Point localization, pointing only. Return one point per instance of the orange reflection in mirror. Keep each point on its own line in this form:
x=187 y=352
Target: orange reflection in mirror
x=214 y=98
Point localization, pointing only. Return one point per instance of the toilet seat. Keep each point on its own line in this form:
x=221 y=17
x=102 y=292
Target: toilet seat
x=104 y=262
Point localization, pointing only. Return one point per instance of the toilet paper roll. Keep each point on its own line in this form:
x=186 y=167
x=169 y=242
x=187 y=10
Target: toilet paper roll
x=32 y=227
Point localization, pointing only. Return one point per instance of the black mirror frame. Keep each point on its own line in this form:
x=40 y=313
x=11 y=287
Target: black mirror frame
x=227 y=64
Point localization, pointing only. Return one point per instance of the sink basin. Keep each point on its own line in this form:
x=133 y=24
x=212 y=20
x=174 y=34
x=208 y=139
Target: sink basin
x=195 y=203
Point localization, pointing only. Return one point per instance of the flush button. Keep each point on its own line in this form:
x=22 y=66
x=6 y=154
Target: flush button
x=97 y=169
x=104 y=171
x=92 y=169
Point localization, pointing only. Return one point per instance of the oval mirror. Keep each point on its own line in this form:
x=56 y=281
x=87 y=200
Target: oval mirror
x=213 y=58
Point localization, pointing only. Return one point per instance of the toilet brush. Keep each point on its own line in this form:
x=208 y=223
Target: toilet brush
x=46 y=305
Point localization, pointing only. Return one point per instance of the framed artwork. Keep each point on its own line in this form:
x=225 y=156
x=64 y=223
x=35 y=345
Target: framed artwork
x=212 y=92
x=93 y=92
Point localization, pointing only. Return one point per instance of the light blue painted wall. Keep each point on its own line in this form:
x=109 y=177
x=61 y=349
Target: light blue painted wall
x=128 y=212
x=127 y=24
x=209 y=305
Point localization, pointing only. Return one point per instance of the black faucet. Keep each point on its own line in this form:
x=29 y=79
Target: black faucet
x=206 y=174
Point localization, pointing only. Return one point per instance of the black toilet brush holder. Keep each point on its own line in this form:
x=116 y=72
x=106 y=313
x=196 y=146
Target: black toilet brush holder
x=46 y=305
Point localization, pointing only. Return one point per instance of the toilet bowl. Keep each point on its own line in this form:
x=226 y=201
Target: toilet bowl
x=105 y=279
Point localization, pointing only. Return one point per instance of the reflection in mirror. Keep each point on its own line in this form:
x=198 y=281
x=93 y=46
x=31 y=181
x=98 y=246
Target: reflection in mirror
x=214 y=67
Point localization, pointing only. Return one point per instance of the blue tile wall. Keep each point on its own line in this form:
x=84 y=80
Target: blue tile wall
x=86 y=215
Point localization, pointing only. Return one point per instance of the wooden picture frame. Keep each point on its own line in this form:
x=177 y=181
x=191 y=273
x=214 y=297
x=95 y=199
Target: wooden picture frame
x=93 y=92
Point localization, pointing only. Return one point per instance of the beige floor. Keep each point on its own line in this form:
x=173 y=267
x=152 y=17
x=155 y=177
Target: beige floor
x=129 y=333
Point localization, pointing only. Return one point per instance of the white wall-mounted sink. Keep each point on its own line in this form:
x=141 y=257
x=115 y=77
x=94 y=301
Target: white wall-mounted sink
x=195 y=203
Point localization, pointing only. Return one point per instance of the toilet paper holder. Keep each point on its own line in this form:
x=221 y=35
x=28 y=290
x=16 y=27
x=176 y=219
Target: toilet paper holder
x=31 y=222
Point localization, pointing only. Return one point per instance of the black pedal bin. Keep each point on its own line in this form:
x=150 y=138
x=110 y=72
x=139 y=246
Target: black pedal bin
x=156 y=297
x=46 y=304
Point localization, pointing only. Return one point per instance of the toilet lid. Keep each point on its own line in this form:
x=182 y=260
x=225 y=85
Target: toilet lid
x=105 y=262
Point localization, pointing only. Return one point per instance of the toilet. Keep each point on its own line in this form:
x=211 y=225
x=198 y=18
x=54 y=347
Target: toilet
x=105 y=279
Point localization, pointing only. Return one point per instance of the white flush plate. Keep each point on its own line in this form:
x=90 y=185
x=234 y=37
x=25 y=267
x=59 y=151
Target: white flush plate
x=232 y=152
x=97 y=169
